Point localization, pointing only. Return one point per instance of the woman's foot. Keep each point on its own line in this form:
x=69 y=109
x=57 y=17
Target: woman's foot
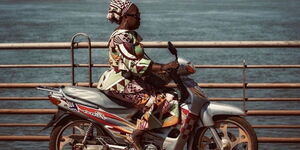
x=136 y=136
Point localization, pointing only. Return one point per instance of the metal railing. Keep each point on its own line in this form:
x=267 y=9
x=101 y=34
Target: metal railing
x=184 y=44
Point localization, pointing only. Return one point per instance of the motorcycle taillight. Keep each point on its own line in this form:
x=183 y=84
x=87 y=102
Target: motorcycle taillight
x=54 y=100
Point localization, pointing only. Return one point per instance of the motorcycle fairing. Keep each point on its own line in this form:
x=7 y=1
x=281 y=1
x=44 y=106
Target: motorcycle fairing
x=196 y=99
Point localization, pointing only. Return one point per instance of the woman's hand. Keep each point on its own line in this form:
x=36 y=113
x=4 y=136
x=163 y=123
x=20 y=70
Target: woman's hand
x=164 y=67
x=170 y=65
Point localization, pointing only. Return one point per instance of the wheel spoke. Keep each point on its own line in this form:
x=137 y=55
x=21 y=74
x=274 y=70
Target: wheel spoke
x=205 y=142
x=224 y=129
x=243 y=135
x=82 y=131
x=242 y=138
x=206 y=139
x=65 y=140
x=236 y=142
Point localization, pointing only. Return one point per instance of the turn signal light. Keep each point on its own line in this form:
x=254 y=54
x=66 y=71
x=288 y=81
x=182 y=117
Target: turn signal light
x=54 y=100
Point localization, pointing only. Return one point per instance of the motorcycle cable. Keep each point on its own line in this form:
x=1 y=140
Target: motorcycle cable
x=147 y=56
x=181 y=87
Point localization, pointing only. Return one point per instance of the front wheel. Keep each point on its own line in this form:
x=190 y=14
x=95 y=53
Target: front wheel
x=235 y=133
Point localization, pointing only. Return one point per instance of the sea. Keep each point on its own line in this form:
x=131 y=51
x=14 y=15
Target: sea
x=36 y=21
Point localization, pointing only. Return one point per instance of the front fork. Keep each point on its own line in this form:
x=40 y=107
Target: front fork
x=215 y=135
x=217 y=138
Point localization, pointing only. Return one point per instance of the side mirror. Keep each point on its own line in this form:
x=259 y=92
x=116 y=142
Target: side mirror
x=172 y=49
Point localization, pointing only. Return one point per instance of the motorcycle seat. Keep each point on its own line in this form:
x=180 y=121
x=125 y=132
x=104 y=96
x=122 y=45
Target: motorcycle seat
x=92 y=96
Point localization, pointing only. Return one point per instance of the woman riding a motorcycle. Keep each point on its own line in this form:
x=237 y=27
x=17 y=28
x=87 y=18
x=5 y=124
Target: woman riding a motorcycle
x=126 y=78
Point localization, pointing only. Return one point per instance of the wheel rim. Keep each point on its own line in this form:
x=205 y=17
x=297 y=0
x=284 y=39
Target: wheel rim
x=233 y=135
x=72 y=134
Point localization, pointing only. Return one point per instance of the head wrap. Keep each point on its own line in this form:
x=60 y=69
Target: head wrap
x=117 y=9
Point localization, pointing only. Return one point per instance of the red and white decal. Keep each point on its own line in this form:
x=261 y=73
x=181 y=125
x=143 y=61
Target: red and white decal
x=104 y=118
x=93 y=112
x=188 y=121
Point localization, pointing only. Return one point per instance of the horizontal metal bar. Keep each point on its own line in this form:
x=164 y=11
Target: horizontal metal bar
x=23 y=98
x=241 y=85
x=273 y=99
x=35 y=66
x=278 y=140
x=24 y=138
x=246 y=66
x=28 y=111
x=22 y=125
x=107 y=65
x=50 y=65
x=33 y=85
x=223 y=44
x=43 y=125
x=273 y=112
x=249 y=112
x=211 y=99
x=252 y=99
x=157 y=44
x=286 y=126
x=203 y=85
x=47 y=138
x=272 y=66
x=249 y=85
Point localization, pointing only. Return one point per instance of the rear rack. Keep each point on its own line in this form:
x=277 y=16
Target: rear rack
x=49 y=89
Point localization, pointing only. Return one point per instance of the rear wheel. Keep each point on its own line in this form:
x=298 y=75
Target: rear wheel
x=69 y=134
x=235 y=132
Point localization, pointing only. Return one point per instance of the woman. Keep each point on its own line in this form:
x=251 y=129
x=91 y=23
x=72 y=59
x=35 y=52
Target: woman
x=125 y=79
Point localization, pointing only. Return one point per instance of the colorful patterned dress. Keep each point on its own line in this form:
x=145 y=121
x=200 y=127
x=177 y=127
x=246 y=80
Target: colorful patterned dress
x=125 y=81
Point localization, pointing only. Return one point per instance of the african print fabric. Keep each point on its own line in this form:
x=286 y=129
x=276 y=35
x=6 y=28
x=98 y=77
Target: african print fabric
x=118 y=8
x=126 y=54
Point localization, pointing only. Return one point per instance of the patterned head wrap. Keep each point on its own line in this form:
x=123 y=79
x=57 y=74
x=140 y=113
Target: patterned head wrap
x=117 y=9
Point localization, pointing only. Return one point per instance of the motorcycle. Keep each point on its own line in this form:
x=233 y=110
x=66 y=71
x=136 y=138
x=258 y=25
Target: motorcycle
x=87 y=119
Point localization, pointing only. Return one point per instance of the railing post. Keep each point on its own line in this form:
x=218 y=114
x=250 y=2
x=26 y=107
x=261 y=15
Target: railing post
x=89 y=61
x=244 y=85
x=72 y=62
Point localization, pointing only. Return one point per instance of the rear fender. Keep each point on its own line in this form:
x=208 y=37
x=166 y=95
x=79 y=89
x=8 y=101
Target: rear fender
x=58 y=117
x=215 y=109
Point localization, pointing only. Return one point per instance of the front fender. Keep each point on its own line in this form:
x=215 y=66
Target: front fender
x=215 y=109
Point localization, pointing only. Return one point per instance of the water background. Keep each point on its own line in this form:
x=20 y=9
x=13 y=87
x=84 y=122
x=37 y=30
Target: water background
x=162 y=20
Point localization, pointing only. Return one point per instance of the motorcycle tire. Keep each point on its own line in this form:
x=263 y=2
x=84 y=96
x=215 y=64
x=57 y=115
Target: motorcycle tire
x=57 y=138
x=227 y=128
